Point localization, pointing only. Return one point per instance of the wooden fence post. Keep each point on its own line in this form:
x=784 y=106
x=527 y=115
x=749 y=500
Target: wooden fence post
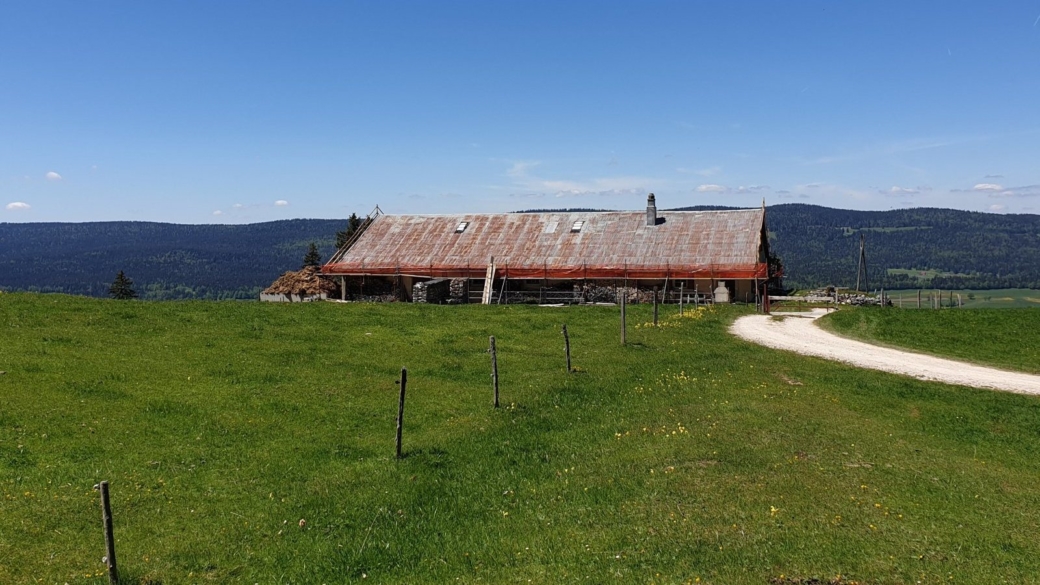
x=655 y=306
x=623 y=318
x=110 y=541
x=567 y=347
x=680 y=298
x=918 y=298
x=494 y=368
x=400 y=408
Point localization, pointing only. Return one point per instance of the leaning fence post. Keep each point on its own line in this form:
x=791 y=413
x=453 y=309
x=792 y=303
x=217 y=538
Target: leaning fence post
x=110 y=541
x=622 y=318
x=400 y=408
x=567 y=346
x=494 y=368
x=655 y=306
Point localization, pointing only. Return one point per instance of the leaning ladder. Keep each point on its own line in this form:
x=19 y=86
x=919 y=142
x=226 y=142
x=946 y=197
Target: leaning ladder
x=489 y=282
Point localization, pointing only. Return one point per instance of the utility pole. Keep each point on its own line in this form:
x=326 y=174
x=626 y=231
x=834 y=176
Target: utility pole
x=861 y=272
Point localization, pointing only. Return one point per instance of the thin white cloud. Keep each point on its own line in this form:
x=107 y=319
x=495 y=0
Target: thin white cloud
x=987 y=187
x=896 y=190
x=711 y=188
x=708 y=172
x=1024 y=191
x=741 y=190
x=997 y=207
x=18 y=206
x=520 y=168
x=993 y=177
x=52 y=176
x=218 y=212
x=281 y=203
x=895 y=147
x=528 y=184
x=238 y=206
x=603 y=193
x=834 y=194
x=752 y=188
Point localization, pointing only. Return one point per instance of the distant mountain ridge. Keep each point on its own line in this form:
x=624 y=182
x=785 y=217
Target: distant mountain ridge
x=906 y=248
x=165 y=261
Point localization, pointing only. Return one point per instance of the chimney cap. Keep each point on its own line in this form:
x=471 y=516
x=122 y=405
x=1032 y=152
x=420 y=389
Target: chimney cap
x=650 y=198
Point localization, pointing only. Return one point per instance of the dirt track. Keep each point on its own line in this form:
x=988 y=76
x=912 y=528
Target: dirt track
x=797 y=332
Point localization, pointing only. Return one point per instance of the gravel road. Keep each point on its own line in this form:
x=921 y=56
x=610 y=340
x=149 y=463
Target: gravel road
x=797 y=332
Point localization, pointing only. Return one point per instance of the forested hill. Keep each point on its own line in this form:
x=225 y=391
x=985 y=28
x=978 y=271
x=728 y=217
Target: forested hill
x=906 y=248
x=165 y=261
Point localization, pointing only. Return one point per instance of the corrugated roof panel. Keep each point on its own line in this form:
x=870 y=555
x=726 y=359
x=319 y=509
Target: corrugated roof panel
x=535 y=245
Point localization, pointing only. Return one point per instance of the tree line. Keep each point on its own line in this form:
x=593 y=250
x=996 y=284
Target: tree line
x=817 y=246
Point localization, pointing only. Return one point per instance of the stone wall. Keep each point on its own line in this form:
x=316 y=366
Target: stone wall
x=436 y=291
x=458 y=291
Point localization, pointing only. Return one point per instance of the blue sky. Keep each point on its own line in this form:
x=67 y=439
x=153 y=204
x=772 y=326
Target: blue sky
x=236 y=112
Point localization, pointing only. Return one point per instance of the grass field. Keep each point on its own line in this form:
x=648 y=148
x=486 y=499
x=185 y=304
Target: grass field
x=927 y=274
x=1005 y=298
x=686 y=456
x=1006 y=338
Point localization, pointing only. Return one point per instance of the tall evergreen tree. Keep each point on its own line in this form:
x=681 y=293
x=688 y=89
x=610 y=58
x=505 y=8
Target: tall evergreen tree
x=342 y=237
x=122 y=288
x=776 y=270
x=313 y=258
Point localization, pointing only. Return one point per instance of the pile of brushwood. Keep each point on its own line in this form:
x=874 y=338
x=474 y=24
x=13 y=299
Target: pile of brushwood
x=305 y=282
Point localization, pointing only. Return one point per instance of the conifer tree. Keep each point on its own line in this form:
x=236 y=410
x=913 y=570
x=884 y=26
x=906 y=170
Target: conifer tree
x=122 y=288
x=313 y=258
x=353 y=223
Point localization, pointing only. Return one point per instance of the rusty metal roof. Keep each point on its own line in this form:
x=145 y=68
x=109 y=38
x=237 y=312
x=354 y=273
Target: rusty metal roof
x=684 y=244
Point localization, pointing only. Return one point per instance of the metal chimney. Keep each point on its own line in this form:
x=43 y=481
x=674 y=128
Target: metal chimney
x=651 y=211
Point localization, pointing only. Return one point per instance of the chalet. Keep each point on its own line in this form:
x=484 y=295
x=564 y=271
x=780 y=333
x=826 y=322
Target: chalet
x=557 y=256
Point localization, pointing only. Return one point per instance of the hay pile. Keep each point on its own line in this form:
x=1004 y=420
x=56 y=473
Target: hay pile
x=307 y=281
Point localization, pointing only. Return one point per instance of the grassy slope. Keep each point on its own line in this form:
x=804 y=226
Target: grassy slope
x=1003 y=298
x=686 y=454
x=1005 y=338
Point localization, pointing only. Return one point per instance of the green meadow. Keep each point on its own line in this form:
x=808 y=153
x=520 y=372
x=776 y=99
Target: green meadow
x=1004 y=338
x=254 y=443
x=1004 y=298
